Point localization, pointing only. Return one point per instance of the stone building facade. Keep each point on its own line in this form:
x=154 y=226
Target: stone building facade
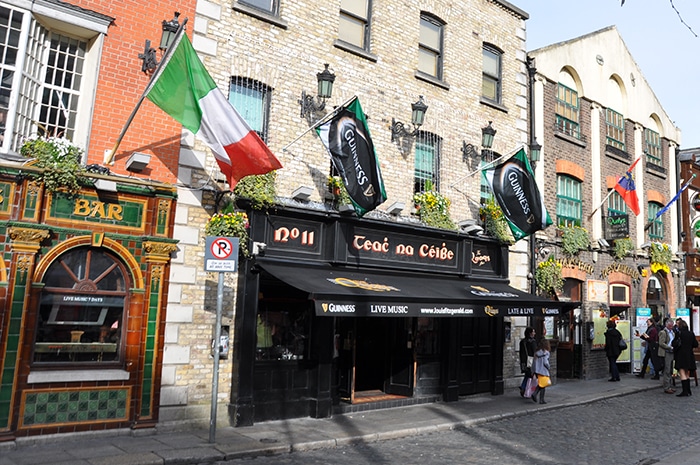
x=595 y=114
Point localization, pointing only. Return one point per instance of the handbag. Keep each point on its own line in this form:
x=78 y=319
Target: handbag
x=530 y=386
x=544 y=381
x=529 y=361
x=623 y=345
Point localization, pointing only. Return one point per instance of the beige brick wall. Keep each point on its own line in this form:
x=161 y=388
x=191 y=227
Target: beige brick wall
x=287 y=59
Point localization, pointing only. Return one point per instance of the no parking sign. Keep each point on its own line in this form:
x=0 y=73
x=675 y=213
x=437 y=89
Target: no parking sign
x=221 y=254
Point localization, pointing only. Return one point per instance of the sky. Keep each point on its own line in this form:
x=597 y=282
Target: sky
x=663 y=37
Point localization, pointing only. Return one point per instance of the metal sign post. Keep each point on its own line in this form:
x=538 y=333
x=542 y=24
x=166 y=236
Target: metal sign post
x=220 y=255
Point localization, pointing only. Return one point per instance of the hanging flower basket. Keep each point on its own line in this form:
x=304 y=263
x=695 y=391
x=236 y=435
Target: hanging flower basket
x=548 y=277
x=495 y=223
x=660 y=257
x=230 y=224
x=574 y=239
x=258 y=190
x=622 y=248
x=60 y=160
x=338 y=190
x=433 y=209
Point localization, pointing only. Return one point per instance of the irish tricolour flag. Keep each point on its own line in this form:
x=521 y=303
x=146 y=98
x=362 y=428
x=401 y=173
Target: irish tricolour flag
x=184 y=89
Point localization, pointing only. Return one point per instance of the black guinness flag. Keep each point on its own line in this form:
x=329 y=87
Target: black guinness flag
x=513 y=184
x=346 y=136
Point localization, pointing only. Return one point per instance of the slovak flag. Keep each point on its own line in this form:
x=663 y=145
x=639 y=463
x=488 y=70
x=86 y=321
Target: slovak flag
x=626 y=188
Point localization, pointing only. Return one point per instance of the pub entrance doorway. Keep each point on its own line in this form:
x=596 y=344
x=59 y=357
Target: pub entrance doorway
x=375 y=358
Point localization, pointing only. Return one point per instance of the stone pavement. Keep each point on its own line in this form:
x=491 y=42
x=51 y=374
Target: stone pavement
x=161 y=446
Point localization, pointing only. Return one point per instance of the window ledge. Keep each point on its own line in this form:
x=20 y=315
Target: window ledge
x=493 y=104
x=432 y=80
x=568 y=138
x=260 y=14
x=360 y=52
x=64 y=376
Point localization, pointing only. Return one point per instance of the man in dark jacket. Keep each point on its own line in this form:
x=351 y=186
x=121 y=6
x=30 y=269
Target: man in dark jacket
x=528 y=347
x=651 y=338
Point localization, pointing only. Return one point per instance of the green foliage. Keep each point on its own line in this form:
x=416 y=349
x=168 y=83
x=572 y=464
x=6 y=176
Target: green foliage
x=230 y=223
x=548 y=276
x=337 y=188
x=660 y=257
x=259 y=189
x=60 y=160
x=495 y=223
x=574 y=239
x=433 y=209
x=622 y=248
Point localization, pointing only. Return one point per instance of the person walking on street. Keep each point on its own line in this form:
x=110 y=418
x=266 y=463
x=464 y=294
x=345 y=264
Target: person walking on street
x=666 y=351
x=612 y=348
x=528 y=347
x=684 y=357
x=651 y=340
x=541 y=369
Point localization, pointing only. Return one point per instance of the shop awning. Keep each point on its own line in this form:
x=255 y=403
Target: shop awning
x=358 y=292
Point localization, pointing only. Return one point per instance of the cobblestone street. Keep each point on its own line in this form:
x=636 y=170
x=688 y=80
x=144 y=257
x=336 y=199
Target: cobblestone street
x=638 y=429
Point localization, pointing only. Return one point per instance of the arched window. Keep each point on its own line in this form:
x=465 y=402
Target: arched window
x=81 y=312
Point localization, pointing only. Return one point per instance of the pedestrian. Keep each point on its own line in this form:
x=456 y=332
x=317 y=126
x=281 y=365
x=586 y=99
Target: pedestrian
x=612 y=348
x=528 y=346
x=684 y=357
x=540 y=366
x=651 y=342
x=666 y=351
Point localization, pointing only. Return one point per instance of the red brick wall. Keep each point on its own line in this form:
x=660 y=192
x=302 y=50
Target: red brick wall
x=121 y=83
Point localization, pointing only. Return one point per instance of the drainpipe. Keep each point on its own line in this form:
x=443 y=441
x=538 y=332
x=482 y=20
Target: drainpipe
x=531 y=70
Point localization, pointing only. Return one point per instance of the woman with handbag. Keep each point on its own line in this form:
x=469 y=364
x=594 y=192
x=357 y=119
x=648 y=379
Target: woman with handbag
x=540 y=367
x=528 y=346
x=612 y=348
x=684 y=357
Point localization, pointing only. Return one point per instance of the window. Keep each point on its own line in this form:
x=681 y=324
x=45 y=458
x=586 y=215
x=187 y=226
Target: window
x=282 y=331
x=569 y=204
x=616 y=204
x=354 y=23
x=48 y=70
x=430 y=46
x=656 y=230
x=269 y=6
x=491 y=77
x=81 y=314
x=427 y=164
x=615 y=129
x=252 y=101
x=567 y=111
x=653 y=147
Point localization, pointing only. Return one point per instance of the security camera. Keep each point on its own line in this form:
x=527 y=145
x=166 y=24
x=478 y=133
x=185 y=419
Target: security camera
x=259 y=248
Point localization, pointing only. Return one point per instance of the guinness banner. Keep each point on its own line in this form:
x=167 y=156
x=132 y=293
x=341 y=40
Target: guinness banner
x=514 y=187
x=346 y=136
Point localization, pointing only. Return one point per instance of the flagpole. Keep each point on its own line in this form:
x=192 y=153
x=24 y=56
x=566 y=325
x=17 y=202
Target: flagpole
x=320 y=122
x=486 y=166
x=166 y=57
x=675 y=197
x=601 y=204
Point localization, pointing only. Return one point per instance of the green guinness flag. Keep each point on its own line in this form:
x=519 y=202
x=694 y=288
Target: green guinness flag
x=346 y=137
x=513 y=185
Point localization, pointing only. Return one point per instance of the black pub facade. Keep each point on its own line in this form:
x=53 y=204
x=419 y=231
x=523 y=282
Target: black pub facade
x=339 y=312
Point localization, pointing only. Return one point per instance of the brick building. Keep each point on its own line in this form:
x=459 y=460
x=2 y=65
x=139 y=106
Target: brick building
x=595 y=114
x=84 y=274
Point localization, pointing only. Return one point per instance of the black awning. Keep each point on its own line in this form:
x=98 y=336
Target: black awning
x=359 y=292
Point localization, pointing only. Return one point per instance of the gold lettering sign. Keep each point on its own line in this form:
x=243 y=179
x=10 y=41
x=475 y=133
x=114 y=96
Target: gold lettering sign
x=98 y=209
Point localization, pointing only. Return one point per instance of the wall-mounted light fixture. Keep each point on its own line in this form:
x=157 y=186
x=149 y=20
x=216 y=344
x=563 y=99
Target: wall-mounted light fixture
x=396 y=208
x=535 y=151
x=302 y=193
x=137 y=162
x=311 y=105
x=470 y=227
x=398 y=129
x=487 y=135
x=646 y=246
x=150 y=61
x=603 y=243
